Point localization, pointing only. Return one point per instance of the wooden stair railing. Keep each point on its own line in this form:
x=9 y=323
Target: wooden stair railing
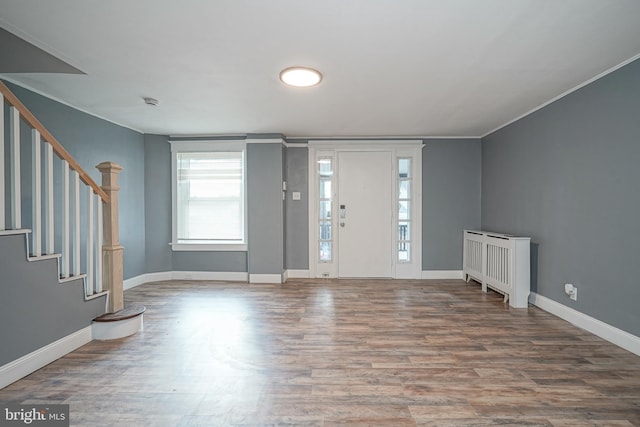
x=102 y=263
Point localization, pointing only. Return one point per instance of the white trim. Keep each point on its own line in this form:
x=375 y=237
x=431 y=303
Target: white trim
x=20 y=368
x=265 y=141
x=265 y=278
x=365 y=144
x=375 y=138
x=285 y=276
x=209 y=247
x=442 y=274
x=568 y=92
x=597 y=327
x=298 y=274
x=208 y=146
x=226 y=276
x=118 y=329
x=42 y=257
x=146 y=278
x=15 y=232
x=211 y=136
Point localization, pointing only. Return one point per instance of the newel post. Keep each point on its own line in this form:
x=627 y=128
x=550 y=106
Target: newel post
x=112 y=251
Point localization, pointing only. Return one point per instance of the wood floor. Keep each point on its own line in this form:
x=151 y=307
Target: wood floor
x=338 y=353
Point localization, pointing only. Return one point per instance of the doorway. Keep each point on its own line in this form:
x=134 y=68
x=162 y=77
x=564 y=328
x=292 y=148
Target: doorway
x=365 y=209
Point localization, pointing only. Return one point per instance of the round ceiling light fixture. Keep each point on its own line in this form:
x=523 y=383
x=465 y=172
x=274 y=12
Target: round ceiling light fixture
x=300 y=76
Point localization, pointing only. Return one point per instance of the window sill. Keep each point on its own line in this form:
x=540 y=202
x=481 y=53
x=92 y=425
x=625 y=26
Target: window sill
x=209 y=247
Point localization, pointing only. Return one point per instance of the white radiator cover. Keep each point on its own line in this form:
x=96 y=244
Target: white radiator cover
x=499 y=261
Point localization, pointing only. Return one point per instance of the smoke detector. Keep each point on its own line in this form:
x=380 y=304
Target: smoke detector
x=150 y=101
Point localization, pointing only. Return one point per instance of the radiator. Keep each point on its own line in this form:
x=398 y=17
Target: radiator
x=500 y=262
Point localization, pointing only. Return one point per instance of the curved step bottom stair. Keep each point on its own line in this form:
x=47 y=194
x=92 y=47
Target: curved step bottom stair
x=120 y=324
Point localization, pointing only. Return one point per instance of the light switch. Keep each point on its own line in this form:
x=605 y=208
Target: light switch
x=295 y=195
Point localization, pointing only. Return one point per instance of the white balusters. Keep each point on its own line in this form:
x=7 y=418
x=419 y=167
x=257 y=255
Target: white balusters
x=66 y=231
x=75 y=264
x=73 y=207
x=100 y=230
x=2 y=207
x=14 y=168
x=48 y=220
x=36 y=193
x=90 y=230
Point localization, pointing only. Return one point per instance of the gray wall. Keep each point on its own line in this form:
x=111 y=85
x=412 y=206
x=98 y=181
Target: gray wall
x=36 y=310
x=297 y=212
x=266 y=215
x=568 y=176
x=90 y=141
x=451 y=172
x=157 y=203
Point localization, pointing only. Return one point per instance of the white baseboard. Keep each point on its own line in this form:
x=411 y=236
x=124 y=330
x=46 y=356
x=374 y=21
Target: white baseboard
x=597 y=327
x=184 y=275
x=146 y=278
x=35 y=360
x=298 y=274
x=265 y=278
x=442 y=274
x=230 y=276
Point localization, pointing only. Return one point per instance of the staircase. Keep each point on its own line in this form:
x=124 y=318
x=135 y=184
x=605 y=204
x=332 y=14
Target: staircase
x=60 y=256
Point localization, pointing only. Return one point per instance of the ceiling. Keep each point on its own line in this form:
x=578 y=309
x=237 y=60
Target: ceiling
x=391 y=67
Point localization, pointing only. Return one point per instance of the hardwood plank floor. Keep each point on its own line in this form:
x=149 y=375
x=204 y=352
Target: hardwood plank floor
x=340 y=353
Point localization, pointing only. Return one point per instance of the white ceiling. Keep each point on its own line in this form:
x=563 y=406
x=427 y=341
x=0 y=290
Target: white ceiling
x=391 y=67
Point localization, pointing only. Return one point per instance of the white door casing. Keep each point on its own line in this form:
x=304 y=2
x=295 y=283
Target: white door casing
x=337 y=153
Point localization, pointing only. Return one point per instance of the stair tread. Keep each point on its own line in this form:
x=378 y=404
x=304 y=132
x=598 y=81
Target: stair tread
x=125 y=313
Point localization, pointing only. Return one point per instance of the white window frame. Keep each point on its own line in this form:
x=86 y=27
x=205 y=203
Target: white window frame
x=203 y=147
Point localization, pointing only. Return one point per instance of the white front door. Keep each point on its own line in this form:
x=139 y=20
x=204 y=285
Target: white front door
x=365 y=217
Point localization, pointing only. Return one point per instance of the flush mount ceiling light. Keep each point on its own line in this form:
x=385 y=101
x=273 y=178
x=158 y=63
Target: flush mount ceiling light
x=300 y=76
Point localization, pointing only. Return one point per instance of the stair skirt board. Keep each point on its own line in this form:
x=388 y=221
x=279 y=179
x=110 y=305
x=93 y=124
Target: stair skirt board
x=27 y=364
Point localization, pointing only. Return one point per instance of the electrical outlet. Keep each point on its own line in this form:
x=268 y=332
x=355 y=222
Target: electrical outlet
x=571 y=290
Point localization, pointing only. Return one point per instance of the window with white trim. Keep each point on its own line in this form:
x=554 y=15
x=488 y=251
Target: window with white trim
x=404 y=179
x=325 y=181
x=209 y=196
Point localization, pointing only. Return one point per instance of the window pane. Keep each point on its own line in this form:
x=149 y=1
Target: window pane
x=404 y=168
x=404 y=209
x=325 y=209
x=325 y=189
x=404 y=190
x=404 y=252
x=210 y=196
x=214 y=220
x=325 y=251
x=325 y=230
x=325 y=167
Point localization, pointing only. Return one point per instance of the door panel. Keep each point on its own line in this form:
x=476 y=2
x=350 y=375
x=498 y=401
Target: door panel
x=365 y=227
